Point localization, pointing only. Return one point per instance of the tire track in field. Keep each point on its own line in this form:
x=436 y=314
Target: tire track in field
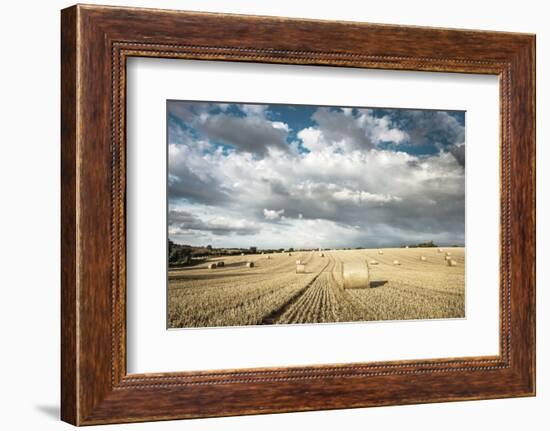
x=316 y=304
x=276 y=314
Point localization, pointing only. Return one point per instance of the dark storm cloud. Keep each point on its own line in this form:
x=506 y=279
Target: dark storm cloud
x=181 y=221
x=337 y=126
x=190 y=112
x=183 y=183
x=433 y=209
x=250 y=134
x=438 y=129
x=459 y=152
x=429 y=127
x=277 y=187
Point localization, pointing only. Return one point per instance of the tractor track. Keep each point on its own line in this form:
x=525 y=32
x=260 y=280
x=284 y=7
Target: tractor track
x=276 y=314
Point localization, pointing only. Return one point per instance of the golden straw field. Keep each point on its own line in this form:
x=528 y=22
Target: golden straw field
x=272 y=292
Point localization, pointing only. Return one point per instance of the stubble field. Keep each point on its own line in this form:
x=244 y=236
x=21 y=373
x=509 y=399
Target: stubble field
x=271 y=292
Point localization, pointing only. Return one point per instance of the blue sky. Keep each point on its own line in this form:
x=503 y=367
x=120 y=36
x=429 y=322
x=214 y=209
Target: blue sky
x=264 y=175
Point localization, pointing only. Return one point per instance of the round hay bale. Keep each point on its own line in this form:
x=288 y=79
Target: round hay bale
x=440 y=250
x=212 y=266
x=380 y=252
x=250 y=264
x=448 y=253
x=298 y=262
x=268 y=257
x=373 y=262
x=220 y=263
x=355 y=275
x=396 y=262
x=242 y=254
x=447 y=258
x=290 y=254
x=423 y=258
x=300 y=269
x=451 y=262
x=321 y=254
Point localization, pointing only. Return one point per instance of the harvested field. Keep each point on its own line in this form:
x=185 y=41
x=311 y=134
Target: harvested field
x=272 y=292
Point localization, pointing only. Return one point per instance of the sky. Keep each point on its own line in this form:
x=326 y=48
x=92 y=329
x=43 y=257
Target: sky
x=281 y=176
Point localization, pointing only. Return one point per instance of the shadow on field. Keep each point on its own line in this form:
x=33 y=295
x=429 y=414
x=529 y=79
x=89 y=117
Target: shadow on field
x=234 y=264
x=378 y=283
x=372 y=285
x=209 y=276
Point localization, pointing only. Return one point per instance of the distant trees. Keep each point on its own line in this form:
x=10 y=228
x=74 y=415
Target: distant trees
x=422 y=244
x=178 y=254
x=427 y=244
x=185 y=254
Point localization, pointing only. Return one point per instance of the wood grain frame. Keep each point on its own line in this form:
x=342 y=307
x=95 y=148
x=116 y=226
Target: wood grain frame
x=96 y=41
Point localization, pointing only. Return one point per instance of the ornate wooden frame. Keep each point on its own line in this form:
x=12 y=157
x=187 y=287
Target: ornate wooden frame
x=95 y=43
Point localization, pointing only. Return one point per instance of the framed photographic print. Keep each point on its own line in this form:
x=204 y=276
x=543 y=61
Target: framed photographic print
x=259 y=216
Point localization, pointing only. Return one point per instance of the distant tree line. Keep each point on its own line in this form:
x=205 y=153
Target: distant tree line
x=184 y=254
x=178 y=254
x=422 y=244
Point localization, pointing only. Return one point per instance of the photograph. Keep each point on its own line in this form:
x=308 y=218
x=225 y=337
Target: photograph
x=297 y=214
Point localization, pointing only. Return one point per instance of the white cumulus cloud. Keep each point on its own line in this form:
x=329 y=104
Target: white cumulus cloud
x=273 y=214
